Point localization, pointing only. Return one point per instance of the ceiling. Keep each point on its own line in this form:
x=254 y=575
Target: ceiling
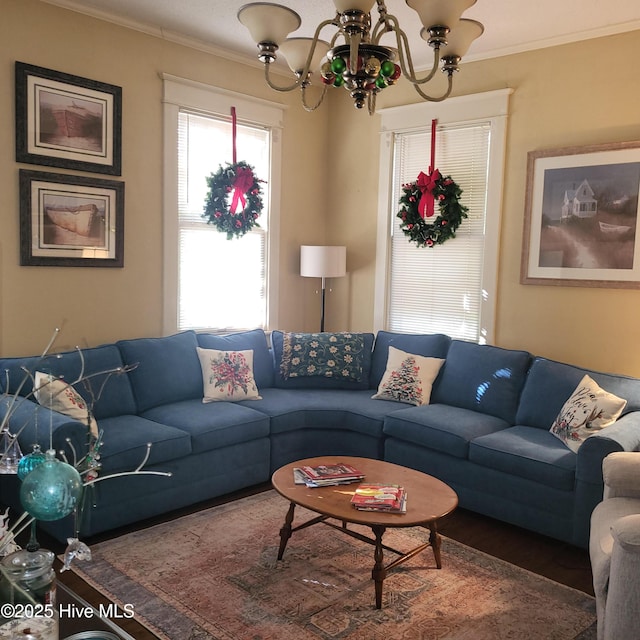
x=511 y=26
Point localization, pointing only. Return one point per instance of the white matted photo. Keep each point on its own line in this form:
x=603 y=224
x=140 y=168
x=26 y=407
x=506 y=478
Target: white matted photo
x=67 y=121
x=581 y=217
x=70 y=220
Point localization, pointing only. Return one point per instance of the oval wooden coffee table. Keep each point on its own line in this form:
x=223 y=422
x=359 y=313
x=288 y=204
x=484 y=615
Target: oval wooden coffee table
x=428 y=500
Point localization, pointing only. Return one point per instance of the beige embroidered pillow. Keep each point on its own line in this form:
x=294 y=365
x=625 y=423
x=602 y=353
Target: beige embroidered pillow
x=58 y=395
x=408 y=377
x=589 y=409
x=227 y=375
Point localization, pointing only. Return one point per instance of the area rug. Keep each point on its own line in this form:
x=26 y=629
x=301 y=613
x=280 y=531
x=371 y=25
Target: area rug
x=213 y=575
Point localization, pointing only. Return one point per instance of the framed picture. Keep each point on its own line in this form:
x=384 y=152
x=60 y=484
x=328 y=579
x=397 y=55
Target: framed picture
x=67 y=121
x=70 y=221
x=581 y=217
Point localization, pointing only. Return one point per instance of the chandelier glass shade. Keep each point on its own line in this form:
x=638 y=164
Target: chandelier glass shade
x=354 y=57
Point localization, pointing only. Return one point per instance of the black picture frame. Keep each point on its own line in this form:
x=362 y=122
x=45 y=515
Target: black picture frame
x=70 y=221
x=67 y=121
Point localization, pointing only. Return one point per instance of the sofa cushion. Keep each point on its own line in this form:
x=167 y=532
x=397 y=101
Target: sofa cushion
x=166 y=369
x=430 y=346
x=482 y=378
x=332 y=409
x=441 y=427
x=227 y=375
x=321 y=381
x=125 y=438
x=529 y=453
x=113 y=392
x=256 y=340
x=212 y=427
x=555 y=382
x=589 y=409
x=408 y=378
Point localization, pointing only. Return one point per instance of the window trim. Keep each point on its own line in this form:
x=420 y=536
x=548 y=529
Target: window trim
x=490 y=106
x=188 y=94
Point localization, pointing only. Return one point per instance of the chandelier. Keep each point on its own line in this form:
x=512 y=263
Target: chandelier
x=354 y=58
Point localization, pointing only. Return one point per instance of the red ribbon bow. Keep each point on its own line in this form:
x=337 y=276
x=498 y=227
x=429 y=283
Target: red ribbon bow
x=242 y=184
x=426 y=184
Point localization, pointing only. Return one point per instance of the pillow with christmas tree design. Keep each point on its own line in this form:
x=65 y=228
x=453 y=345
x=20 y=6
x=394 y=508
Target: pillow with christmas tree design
x=408 y=377
x=588 y=410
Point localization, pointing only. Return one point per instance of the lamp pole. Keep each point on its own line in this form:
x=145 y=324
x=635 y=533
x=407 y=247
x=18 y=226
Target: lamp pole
x=322 y=311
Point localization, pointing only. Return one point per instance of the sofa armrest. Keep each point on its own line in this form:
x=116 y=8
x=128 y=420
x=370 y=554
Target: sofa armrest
x=621 y=473
x=35 y=424
x=623 y=597
x=623 y=435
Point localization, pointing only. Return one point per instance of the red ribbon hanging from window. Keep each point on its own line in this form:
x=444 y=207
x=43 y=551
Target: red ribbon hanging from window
x=233 y=132
x=244 y=175
x=426 y=183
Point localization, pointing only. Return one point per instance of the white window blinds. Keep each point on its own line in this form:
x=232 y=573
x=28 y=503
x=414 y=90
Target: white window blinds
x=439 y=289
x=222 y=284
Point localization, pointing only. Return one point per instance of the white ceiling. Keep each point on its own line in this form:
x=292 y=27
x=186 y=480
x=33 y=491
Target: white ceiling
x=511 y=26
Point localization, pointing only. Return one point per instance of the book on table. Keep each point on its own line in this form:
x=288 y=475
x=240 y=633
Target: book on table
x=391 y=498
x=327 y=474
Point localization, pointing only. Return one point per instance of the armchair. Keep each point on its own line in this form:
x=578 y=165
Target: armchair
x=614 y=548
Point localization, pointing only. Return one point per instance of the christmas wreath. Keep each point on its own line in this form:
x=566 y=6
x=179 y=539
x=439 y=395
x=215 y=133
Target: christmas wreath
x=234 y=199
x=417 y=209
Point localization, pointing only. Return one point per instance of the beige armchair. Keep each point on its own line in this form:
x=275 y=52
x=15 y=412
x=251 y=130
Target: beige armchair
x=614 y=547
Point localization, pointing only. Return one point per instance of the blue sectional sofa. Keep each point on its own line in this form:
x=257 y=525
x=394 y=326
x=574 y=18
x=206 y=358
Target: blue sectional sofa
x=485 y=431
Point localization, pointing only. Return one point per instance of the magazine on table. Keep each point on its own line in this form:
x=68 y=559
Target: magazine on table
x=327 y=474
x=380 y=497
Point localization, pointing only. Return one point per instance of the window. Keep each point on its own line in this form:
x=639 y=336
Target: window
x=449 y=288
x=210 y=282
x=232 y=269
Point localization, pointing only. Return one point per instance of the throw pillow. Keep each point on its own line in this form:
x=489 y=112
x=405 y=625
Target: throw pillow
x=408 y=377
x=588 y=410
x=330 y=355
x=227 y=375
x=60 y=396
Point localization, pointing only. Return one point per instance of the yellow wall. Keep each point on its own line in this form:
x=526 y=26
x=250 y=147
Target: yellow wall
x=575 y=94
x=572 y=95
x=103 y=304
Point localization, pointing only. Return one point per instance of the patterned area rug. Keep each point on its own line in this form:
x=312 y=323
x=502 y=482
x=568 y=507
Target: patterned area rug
x=214 y=575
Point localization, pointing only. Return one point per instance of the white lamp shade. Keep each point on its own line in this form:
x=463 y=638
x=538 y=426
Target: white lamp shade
x=323 y=262
x=460 y=38
x=444 y=13
x=268 y=22
x=357 y=5
x=296 y=51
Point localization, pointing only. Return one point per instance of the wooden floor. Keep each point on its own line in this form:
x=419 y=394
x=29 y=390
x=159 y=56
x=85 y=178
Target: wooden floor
x=555 y=560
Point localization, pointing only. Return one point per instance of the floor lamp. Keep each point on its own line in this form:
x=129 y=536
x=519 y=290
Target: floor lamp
x=323 y=262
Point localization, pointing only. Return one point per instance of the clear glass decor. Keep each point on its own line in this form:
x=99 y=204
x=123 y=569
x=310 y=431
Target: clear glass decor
x=10 y=453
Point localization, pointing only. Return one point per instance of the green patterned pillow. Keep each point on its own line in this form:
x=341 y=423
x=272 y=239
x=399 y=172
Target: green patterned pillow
x=328 y=355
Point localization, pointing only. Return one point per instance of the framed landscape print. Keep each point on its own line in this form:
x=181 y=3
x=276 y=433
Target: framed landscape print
x=581 y=217
x=70 y=221
x=67 y=121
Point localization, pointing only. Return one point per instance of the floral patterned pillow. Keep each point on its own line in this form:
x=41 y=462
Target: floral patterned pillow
x=329 y=355
x=227 y=375
x=408 y=377
x=589 y=409
x=58 y=395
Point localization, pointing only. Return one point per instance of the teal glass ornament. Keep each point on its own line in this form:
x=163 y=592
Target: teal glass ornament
x=30 y=461
x=52 y=490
